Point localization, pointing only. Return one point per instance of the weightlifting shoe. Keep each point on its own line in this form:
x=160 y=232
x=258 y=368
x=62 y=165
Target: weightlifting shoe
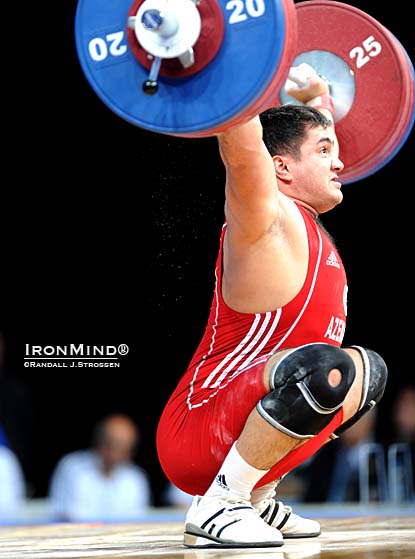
x=281 y=516
x=228 y=523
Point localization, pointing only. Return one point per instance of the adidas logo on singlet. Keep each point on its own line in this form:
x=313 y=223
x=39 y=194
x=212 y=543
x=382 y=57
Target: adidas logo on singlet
x=332 y=260
x=220 y=480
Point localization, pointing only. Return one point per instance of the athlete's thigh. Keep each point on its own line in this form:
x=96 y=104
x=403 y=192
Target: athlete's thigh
x=193 y=440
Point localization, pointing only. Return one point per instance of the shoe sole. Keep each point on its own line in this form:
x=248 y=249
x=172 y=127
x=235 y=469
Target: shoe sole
x=196 y=537
x=293 y=536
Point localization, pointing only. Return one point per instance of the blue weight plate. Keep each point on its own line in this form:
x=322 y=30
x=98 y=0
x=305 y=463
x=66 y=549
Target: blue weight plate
x=242 y=70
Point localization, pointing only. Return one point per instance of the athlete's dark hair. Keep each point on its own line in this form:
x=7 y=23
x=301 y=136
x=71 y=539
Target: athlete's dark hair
x=285 y=128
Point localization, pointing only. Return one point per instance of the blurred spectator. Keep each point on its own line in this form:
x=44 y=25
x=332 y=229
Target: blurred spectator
x=175 y=497
x=12 y=485
x=401 y=434
x=16 y=412
x=338 y=464
x=102 y=483
x=403 y=415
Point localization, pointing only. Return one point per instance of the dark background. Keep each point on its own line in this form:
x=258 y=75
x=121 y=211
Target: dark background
x=111 y=235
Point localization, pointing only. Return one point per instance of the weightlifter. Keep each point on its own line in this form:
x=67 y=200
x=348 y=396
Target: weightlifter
x=270 y=382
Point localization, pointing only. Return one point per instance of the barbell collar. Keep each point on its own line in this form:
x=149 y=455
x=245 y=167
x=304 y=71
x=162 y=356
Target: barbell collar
x=167 y=29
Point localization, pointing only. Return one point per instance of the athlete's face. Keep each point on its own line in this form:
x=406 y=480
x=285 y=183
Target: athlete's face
x=315 y=175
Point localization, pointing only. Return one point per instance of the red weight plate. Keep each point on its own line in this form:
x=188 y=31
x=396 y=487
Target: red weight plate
x=408 y=88
x=381 y=112
x=404 y=119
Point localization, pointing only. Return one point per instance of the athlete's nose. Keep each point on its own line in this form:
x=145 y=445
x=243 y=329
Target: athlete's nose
x=337 y=164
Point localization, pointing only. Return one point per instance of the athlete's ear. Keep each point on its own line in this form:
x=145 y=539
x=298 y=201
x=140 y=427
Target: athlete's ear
x=282 y=169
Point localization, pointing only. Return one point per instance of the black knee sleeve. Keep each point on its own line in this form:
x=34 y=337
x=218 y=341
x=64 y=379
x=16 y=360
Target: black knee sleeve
x=302 y=402
x=375 y=375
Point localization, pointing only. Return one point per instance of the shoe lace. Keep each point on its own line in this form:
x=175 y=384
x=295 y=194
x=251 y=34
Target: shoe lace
x=234 y=500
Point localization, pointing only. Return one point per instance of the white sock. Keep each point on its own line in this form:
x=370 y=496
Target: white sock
x=235 y=477
x=267 y=491
x=264 y=492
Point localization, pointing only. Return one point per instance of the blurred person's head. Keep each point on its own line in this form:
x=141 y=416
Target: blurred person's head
x=115 y=439
x=404 y=413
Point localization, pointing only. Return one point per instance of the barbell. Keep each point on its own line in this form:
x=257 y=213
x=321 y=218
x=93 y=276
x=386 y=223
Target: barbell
x=193 y=68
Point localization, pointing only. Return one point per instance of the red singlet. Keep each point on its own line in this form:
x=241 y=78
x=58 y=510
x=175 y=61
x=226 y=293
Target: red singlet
x=224 y=380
